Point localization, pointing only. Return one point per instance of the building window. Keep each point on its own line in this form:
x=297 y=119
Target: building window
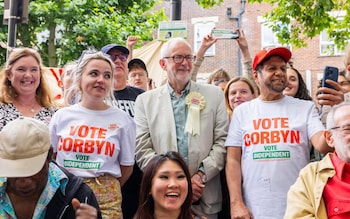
x=200 y=30
x=269 y=38
x=327 y=46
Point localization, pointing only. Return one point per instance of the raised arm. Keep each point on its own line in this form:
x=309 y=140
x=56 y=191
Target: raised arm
x=206 y=43
x=130 y=43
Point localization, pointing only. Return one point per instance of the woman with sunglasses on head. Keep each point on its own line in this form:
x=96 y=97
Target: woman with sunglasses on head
x=92 y=139
x=24 y=90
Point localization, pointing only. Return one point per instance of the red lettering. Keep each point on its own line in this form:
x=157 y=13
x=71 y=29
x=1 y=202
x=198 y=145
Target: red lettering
x=275 y=137
x=73 y=130
x=266 y=124
x=102 y=133
x=264 y=136
x=83 y=131
x=89 y=146
x=295 y=137
x=256 y=124
x=284 y=123
x=99 y=145
x=255 y=137
x=86 y=146
x=67 y=144
x=246 y=140
x=78 y=145
x=109 y=149
x=285 y=134
x=60 y=145
x=93 y=131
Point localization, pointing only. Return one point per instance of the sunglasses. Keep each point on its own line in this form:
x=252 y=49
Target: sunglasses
x=122 y=57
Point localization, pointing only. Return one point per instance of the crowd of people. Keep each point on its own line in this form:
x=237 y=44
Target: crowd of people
x=116 y=146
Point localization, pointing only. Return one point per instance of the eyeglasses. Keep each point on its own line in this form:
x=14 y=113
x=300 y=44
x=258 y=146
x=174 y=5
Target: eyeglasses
x=344 y=128
x=122 y=57
x=179 y=58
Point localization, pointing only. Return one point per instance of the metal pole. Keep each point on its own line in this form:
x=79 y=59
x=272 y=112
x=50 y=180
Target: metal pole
x=239 y=25
x=11 y=36
x=175 y=10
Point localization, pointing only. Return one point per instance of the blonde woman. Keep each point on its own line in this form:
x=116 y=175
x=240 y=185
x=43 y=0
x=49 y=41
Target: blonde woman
x=92 y=139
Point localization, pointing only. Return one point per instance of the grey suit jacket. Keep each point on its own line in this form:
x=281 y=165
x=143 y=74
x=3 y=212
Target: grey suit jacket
x=156 y=134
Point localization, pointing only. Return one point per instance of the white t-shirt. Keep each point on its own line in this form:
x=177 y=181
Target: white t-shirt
x=90 y=143
x=274 y=137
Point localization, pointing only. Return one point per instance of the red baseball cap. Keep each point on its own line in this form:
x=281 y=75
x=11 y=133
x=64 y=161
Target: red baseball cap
x=285 y=53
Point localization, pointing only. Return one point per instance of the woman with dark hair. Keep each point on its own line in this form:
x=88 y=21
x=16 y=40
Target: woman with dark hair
x=296 y=86
x=166 y=190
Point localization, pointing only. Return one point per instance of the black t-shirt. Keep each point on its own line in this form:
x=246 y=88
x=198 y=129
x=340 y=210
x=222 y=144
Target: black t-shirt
x=131 y=190
x=125 y=99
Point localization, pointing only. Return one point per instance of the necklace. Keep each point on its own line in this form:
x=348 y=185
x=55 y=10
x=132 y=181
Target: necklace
x=32 y=109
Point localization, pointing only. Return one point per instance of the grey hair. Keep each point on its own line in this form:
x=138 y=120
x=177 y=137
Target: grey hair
x=165 y=48
x=74 y=92
x=330 y=117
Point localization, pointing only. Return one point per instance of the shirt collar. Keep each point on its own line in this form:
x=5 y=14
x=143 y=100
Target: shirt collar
x=183 y=92
x=340 y=166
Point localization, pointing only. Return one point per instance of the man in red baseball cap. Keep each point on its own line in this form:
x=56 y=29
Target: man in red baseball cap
x=264 y=54
x=268 y=141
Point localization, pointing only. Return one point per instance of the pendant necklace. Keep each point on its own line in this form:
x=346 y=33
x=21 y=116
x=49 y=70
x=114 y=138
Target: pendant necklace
x=32 y=109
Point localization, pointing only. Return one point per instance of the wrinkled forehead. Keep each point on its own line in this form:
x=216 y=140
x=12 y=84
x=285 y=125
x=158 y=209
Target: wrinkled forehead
x=342 y=115
x=180 y=47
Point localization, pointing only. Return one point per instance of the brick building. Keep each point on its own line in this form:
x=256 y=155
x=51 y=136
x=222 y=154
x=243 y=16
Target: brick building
x=309 y=60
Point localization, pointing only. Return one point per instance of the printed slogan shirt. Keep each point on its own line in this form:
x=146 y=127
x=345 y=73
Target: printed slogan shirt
x=91 y=143
x=274 y=137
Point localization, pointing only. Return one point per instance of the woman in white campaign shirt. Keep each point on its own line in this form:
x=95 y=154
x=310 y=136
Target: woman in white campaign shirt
x=92 y=139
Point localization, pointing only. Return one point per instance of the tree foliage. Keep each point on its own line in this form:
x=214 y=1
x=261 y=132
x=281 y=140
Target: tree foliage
x=71 y=26
x=208 y=3
x=308 y=18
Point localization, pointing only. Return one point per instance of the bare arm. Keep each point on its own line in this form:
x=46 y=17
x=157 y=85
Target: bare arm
x=234 y=183
x=207 y=42
x=126 y=173
x=130 y=43
x=247 y=59
x=243 y=46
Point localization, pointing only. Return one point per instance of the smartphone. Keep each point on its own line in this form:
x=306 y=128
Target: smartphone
x=224 y=34
x=330 y=73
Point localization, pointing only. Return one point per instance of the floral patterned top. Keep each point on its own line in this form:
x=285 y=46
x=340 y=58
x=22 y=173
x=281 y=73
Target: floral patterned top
x=9 y=112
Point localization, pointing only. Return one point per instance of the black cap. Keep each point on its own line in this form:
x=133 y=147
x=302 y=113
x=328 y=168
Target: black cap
x=137 y=63
x=109 y=47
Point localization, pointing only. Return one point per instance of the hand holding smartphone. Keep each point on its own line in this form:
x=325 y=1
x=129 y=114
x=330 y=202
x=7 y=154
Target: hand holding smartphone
x=330 y=73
